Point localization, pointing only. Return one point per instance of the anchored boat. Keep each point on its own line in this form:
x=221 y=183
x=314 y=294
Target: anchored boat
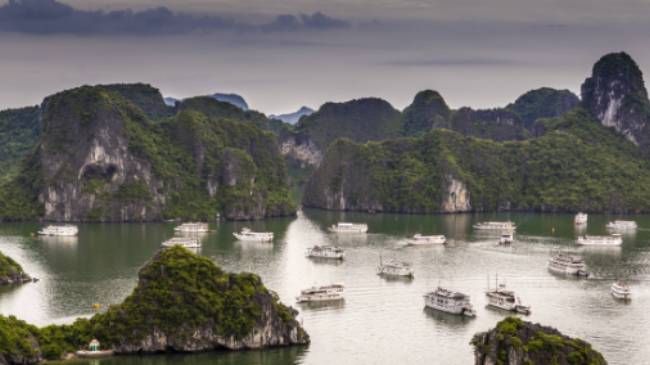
x=612 y=240
x=565 y=264
x=192 y=227
x=495 y=226
x=345 y=227
x=621 y=290
x=325 y=252
x=394 y=268
x=419 y=239
x=622 y=225
x=67 y=230
x=327 y=293
x=247 y=235
x=580 y=219
x=501 y=298
x=187 y=242
x=449 y=301
x=506 y=238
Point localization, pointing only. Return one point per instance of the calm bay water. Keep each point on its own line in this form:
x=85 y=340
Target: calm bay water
x=380 y=322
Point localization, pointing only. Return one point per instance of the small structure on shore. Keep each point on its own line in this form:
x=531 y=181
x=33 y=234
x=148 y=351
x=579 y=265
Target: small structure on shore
x=94 y=350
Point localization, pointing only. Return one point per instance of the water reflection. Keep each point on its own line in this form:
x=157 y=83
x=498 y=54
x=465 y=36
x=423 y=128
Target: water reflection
x=381 y=321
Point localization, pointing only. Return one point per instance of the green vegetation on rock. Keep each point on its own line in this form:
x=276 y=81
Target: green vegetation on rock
x=516 y=342
x=19 y=132
x=11 y=272
x=184 y=301
x=110 y=153
x=576 y=165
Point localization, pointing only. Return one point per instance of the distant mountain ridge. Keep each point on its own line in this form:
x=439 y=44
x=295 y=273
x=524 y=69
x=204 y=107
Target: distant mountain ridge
x=293 y=118
x=234 y=99
x=545 y=152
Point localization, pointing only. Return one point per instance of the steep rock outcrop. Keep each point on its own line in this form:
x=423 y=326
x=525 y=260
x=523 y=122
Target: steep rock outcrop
x=515 y=342
x=360 y=120
x=427 y=111
x=544 y=102
x=102 y=158
x=184 y=302
x=11 y=272
x=576 y=165
x=616 y=95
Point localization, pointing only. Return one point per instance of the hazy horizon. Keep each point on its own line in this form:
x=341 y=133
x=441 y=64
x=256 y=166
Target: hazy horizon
x=281 y=55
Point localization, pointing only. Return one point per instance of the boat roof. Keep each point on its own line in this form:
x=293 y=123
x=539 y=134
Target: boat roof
x=442 y=292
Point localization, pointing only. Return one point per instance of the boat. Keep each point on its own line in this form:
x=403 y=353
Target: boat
x=448 y=301
x=505 y=299
x=325 y=252
x=495 y=226
x=345 y=227
x=192 y=227
x=565 y=264
x=419 y=239
x=93 y=351
x=247 y=235
x=621 y=290
x=614 y=239
x=67 y=230
x=394 y=268
x=580 y=219
x=187 y=242
x=622 y=225
x=506 y=238
x=327 y=293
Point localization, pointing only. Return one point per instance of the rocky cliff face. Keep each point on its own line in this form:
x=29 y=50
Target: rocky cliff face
x=182 y=302
x=515 y=342
x=11 y=272
x=19 y=132
x=572 y=167
x=101 y=157
x=616 y=95
x=85 y=157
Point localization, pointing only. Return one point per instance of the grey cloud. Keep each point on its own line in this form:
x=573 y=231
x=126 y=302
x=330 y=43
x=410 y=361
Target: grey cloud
x=431 y=62
x=316 y=21
x=54 y=17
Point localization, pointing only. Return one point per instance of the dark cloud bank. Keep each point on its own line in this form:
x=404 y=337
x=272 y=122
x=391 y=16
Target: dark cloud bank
x=52 y=17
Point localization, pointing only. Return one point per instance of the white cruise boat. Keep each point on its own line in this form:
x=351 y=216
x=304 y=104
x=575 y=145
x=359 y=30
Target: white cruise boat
x=344 y=227
x=622 y=225
x=419 y=239
x=248 y=235
x=612 y=240
x=187 y=242
x=502 y=298
x=394 y=268
x=192 y=227
x=621 y=290
x=67 y=230
x=327 y=293
x=506 y=238
x=565 y=264
x=496 y=226
x=580 y=219
x=449 y=301
x=325 y=252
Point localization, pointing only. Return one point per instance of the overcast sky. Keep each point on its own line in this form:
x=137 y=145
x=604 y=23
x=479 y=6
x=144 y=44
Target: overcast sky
x=282 y=54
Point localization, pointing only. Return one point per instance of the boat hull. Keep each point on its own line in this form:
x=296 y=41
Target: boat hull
x=249 y=238
x=94 y=354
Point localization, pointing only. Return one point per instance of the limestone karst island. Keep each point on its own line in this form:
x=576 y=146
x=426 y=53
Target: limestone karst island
x=312 y=183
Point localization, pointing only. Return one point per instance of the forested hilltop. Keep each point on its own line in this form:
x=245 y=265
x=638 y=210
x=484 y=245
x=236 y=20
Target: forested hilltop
x=592 y=158
x=118 y=153
x=182 y=303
